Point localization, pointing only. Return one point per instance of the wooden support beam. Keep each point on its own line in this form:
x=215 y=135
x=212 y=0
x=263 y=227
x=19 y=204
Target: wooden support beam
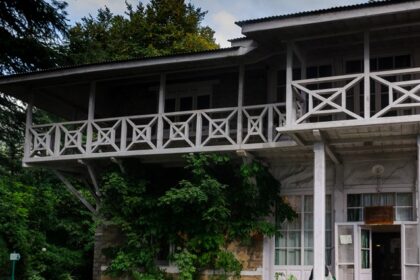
x=28 y=138
x=320 y=137
x=161 y=109
x=119 y=163
x=366 y=70
x=295 y=137
x=75 y=192
x=319 y=210
x=241 y=85
x=290 y=106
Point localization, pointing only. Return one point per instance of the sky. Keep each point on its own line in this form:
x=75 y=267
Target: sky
x=221 y=15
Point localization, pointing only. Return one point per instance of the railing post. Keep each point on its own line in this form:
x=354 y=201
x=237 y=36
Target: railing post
x=28 y=135
x=270 y=122
x=198 y=130
x=366 y=68
x=241 y=80
x=123 y=134
x=57 y=140
x=161 y=109
x=290 y=104
x=91 y=116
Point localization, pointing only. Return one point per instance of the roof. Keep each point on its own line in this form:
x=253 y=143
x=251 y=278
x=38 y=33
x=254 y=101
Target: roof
x=321 y=11
x=115 y=62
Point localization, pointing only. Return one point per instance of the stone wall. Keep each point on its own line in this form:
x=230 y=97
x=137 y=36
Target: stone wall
x=251 y=257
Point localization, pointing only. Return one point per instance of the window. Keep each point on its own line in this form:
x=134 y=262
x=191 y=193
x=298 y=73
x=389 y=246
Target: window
x=187 y=97
x=294 y=241
x=402 y=203
x=365 y=247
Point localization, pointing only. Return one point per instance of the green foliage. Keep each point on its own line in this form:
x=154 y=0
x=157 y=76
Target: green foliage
x=161 y=27
x=30 y=34
x=200 y=210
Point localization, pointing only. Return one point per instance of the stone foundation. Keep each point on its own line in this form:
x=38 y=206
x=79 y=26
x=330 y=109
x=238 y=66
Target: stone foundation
x=251 y=257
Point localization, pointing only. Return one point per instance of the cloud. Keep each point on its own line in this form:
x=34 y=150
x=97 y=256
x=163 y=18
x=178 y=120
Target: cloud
x=223 y=23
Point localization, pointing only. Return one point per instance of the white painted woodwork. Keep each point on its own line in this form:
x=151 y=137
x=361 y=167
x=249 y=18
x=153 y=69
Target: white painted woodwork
x=241 y=81
x=161 y=110
x=73 y=190
x=109 y=138
x=28 y=135
x=319 y=210
x=291 y=110
x=366 y=69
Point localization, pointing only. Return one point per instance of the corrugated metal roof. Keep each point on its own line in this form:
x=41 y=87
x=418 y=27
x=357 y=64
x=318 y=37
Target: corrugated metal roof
x=110 y=62
x=321 y=11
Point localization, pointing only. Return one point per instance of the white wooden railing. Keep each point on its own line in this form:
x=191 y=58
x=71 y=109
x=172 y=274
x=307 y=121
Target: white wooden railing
x=327 y=99
x=198 y=130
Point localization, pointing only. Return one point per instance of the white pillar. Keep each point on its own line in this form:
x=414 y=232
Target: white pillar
x=28 y=136
x=91 y=116
x=366 y=67
x=290 y=106
x=418 y=195
x=241 y=81
x=319 y=210
x=161 y=109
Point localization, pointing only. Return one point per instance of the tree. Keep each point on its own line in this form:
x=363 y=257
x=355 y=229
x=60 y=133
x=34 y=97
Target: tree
x=161 y=27
x=30 y=33
x=201 y=210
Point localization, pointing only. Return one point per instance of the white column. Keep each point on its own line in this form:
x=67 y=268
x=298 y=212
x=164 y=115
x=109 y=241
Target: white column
x=161 y=109
x=366 y=67
x=290 y=106
x=319 y=210
x=91 y=116
x=28 y=136
x=241 y=81
x=418 y=195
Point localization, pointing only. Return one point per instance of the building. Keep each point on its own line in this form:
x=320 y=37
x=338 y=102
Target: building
x=330 y=99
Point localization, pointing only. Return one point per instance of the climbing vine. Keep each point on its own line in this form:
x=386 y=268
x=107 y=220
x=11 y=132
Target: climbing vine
x=197 y=211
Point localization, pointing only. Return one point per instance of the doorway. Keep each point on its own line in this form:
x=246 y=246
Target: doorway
x=386 y=253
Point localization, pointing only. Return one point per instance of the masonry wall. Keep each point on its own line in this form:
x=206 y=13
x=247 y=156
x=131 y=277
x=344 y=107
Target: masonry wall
x=251 y=256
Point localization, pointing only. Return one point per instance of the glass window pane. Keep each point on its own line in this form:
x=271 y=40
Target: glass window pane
x=328 y=257
x=354 y=200
x=280 y=240
x=354 y=215
x=203 y=102
x=309 y=203
x=328 y=239
x=365 y=259
x=280 y=257
x=293 y=257
x=293 y=239
x=365 y=239
x=309 y=257
x=328 y=206
x=294 y=202
x=308 y=222
x=186 y=103
x=295 y=224
x=367 y=200
x=309 y=239
x=170 y=105
x=404 y=214
x=328 y=221
x=404 y=199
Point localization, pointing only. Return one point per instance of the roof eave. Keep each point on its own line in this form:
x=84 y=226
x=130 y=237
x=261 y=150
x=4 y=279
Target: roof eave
x=124 y=65
x=325 y=17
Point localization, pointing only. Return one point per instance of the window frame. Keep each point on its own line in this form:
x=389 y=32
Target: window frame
x=302 y=211
x=194 y=90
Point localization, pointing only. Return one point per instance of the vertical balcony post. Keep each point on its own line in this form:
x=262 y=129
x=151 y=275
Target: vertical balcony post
x=91 y=117
x=366 y=68
x=418 y=193
x=241 y=80
x=319 y=210
x=161 y=109
x=290 y=106
x=28 y=135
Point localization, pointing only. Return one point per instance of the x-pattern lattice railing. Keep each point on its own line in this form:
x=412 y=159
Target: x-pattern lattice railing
x=326 y=100
x=403 y=89
x=190 y=130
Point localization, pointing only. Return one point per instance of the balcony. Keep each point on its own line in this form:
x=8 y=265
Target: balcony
x=320 y=103
x=177 y=132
